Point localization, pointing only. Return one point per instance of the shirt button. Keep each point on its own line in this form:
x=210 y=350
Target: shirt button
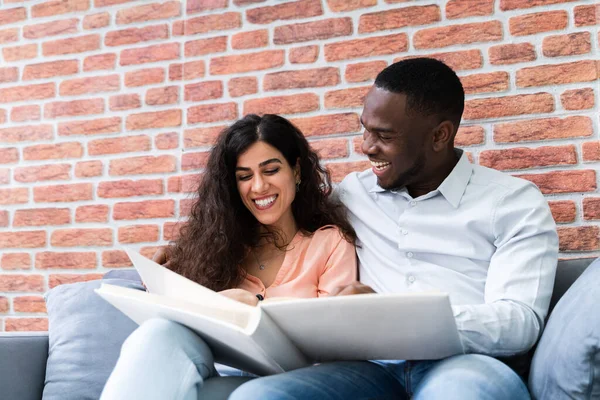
x=411 y=279
x=409 y=254
x=404 y=231
x=413 y=203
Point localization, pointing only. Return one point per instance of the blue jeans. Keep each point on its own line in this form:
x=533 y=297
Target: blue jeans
x=462 y=377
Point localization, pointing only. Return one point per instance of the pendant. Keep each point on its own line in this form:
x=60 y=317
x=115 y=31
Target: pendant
x=261 y=267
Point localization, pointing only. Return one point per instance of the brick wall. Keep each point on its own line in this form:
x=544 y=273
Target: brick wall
x=108 y=109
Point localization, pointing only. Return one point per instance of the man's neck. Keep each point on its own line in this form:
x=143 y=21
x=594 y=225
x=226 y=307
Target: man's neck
x=429 y=184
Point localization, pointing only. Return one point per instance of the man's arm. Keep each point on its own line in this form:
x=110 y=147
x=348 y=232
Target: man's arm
x=519 y=281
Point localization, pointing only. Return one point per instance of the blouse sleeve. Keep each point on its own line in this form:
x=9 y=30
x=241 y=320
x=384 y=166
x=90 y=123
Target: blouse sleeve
x=340 y=268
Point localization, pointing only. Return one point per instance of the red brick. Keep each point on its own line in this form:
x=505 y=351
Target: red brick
x=4 y=219
x=365 y=71
x=472 y=8
x=4 y=176
x=15 y=261
x=250 y=40
x=144 y=209
x=150 y=54
x=578 y=99
x=51 y=172
x=50 y=69
x=590 y=150
x=368 y=47
x=9 y=155
x=90 y=127
x=213 y=22
x=316 y=30
x=149 y=12
x=330 y=148
x=22 y=239
x=200 y=137
x=197 y=6
x=172 y=230
x=52 y=28
x=297 y=103
x=53 y=151
x=556 y=74
x=564 y=181
x=124 y=102
x=136 y=35
x=162 y=95
x=304 y=54
x=212 y=113
x=200 y=47
x=18 y=53
x=242 y=86
x=142 y=165
x=25 y=113
x=14 y=195
x=59 y=109
x=71 y=45
x=328 y=124
x=317 y=77
x=3 y=117
x=65 y=260
x=349 y=5
x=496 y=107
x=506 y=5
x=141 y=77
x=119 y=145
x=591 y=208
x=88 y=169
x=345 y=98
x=12 y=15
x=523 y=157
x=458 y=34
x=399 y=18
x=9 y=35
x=26 y=133
x=4 y=305
x=81 y=237
x=543 y=129
x=129 y=188
x=138 y=233
x=290 y=10
x=25 y=324
x=469 y=136
x=176 y=72
x=530 y=24
x=191 y=161
x=63 y=193
x=581 y=238
x=62 y=279
x=95 y=84
x=185 y=207
x=100 y=62
x=115 y=259
x=26 y=93
x=512 y=53
x=149 y=251
x=457 y=60
x=563 y=211
x=166 y=141
x=186 y=183
x=96 y=21
x=485 y=83
x=21 y=283
x=95 y=213
x=56 y=7
x=156 y=119
x=10 y=74
x=587 y=15
x=339 y=171
x=567 y=45
x=29 y=304
x=192 y=70
x=247 y=62
x=203 y=91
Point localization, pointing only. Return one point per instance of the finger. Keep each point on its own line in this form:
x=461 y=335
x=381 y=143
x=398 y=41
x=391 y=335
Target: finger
x=160 y=257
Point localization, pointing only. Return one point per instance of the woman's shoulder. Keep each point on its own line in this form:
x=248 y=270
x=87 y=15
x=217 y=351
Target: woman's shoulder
x=328 y=233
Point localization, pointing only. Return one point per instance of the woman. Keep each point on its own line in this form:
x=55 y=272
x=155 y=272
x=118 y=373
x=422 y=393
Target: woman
x=264 y=225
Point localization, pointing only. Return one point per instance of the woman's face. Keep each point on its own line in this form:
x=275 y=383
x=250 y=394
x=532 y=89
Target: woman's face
x=267 y=184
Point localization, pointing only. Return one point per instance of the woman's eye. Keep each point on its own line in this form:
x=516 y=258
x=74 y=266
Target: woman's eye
x=271 y=171
x=244 y=177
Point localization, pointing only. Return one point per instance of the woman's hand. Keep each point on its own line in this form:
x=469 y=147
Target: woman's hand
x=240 y=295
x=161 y=257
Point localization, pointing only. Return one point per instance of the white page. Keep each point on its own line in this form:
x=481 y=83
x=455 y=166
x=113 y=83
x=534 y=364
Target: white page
x=416 y=326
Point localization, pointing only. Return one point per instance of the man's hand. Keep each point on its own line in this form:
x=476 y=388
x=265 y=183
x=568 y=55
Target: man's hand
x=240 y=295
x=353 y=288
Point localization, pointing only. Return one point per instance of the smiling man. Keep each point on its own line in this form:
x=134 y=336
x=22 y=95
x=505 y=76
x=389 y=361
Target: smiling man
x=427 y=219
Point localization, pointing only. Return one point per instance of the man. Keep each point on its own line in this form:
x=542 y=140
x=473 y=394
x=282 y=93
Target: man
x=427 y=219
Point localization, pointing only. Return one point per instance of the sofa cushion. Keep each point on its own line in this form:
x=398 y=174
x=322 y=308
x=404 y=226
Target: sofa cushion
x=566 y=363
x=85 y=335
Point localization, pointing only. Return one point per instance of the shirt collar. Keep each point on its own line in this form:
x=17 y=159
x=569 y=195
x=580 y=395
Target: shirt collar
x=453 y=187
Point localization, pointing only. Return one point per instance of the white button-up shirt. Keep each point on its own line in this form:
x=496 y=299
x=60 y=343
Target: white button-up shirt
x=485 y=237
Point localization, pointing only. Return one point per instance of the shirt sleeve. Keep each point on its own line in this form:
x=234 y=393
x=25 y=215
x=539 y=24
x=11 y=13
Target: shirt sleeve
x=340 y=267
x=519 y=281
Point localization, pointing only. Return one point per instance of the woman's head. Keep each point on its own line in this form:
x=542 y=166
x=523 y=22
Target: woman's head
x=261 y=172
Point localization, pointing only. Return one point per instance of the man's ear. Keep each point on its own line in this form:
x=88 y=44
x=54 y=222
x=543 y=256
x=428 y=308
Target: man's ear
x=443 y=136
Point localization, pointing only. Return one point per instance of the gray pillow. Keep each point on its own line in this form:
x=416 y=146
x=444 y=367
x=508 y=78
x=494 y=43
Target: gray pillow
x=566 y=363
x=85 y=335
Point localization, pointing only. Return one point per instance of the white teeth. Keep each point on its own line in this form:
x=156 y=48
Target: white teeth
x=265 y=202
x=379 y=165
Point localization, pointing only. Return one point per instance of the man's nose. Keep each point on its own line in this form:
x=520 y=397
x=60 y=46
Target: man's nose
x=368 y=144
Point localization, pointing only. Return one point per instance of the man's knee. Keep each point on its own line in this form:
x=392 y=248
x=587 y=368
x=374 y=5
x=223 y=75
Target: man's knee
x=263 y=388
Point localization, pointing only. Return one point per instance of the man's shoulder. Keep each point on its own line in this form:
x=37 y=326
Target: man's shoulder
x=503 y=181
x=357 y=181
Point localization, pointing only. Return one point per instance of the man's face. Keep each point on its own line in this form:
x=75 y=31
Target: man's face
x=397 y=145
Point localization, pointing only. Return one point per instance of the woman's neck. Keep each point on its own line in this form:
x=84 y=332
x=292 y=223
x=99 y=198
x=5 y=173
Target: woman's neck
x=285 y=230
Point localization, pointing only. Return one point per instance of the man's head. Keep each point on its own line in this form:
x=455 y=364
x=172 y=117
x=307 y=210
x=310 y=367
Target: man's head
x=411 y=115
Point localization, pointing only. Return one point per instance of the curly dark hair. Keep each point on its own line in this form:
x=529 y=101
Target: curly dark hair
x=221 y=230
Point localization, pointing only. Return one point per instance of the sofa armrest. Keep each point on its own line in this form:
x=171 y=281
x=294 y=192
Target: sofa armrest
x=23 y=365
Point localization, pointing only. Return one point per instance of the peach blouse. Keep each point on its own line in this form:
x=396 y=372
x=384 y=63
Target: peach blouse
x=312 y=267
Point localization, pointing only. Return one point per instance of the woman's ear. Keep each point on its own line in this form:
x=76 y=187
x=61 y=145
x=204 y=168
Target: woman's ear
x=297 y=171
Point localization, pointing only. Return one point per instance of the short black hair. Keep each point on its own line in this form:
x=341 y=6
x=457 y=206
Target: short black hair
x=431 y=87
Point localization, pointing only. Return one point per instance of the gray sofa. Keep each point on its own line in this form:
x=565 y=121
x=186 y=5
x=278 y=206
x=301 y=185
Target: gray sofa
x=23 y=356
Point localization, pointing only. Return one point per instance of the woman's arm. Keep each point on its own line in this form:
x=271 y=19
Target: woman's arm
x=340 y=268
